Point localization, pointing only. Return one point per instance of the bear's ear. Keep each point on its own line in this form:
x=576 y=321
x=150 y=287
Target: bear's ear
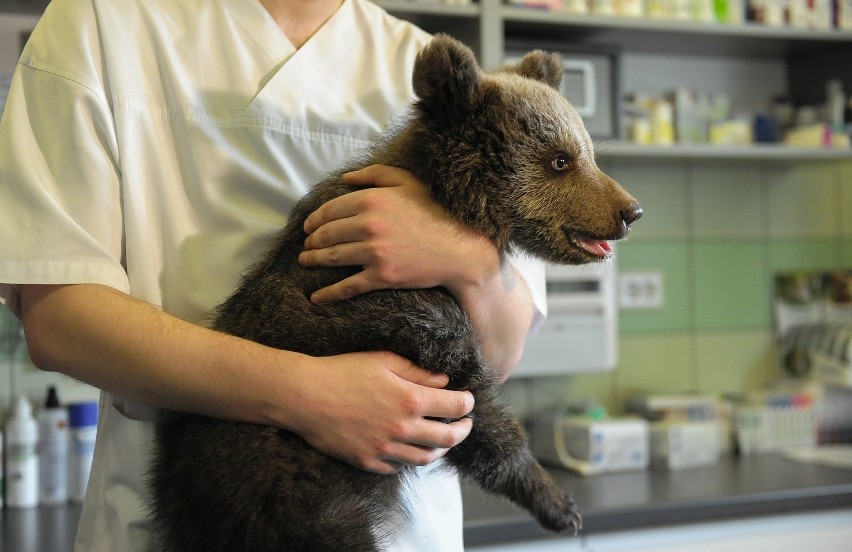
x=445 y=72
x=540 y=65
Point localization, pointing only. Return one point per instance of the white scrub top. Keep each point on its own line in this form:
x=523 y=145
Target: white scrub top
x=156 y=146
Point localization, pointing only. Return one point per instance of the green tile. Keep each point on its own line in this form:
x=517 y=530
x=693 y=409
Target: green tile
x=727 y=200
x=596 y=386
x=845 y=179
x=731 y=286
x=734 y=361
x=659 y=188
x=670 y=258
x=804 y=200
x=846 y=254
x=658 y=363
x=805 y=255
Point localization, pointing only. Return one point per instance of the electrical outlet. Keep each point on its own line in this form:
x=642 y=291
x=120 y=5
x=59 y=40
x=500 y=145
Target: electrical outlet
x=640 y=290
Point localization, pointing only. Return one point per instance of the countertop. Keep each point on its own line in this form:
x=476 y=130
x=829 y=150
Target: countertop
x=734 y=488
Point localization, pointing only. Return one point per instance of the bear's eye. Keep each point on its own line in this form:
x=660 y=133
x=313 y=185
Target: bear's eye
x=560 y=162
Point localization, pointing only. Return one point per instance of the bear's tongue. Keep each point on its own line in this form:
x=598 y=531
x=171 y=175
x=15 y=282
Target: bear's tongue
x=598 y=248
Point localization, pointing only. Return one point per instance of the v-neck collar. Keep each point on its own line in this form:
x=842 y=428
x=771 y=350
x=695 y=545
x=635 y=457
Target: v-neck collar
x=259 y=25
x=302 y=70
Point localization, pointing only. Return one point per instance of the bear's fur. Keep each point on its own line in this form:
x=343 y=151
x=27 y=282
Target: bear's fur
x=504 y=153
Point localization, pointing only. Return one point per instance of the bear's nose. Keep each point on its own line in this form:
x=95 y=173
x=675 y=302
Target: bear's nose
x=631 y=214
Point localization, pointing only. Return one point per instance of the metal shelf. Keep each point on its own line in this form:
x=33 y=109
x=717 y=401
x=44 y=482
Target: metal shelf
x=755 y=152
x=749 y=30
x=411 y=7
x=636 y=33
x=670 y=36
x=34 y=7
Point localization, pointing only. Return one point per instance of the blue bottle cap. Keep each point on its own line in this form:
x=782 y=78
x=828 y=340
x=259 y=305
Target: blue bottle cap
x=83 y=414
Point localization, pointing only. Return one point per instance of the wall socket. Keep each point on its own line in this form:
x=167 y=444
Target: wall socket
x=640 y=290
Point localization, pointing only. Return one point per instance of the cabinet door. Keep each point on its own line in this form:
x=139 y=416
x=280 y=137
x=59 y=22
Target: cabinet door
x=823 y=531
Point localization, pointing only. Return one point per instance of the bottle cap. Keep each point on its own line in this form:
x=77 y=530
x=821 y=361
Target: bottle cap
x=52 y=398
x=23 y=409
x=596 y=413
x=22 y=427
x=83 y=414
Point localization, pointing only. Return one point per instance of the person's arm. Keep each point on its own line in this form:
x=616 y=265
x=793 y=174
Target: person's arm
x=368 y=409
x=406 y=240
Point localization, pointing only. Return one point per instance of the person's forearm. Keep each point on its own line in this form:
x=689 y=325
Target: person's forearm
x=107 y=339
x=375 y=410
x=501 y=310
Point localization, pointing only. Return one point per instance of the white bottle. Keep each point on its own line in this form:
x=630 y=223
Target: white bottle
x=21 y=457
x=84 y=428
x=53 y=451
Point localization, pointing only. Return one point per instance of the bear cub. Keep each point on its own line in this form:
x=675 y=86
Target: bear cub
x=508 y=156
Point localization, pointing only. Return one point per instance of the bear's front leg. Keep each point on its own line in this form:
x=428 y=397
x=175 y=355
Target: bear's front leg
x=495 y=455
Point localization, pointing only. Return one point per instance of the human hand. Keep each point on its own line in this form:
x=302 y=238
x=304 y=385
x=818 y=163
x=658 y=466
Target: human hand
x=372 y=410
x=398 y=233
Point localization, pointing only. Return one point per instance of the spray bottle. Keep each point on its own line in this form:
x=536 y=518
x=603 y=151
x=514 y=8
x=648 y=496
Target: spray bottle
x=53 y=451
x=21 y=457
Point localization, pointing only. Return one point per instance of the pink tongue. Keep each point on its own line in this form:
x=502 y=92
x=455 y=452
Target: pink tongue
x=600 y=248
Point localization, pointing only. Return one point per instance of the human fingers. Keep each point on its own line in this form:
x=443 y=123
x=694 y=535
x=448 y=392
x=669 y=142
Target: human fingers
x=446 y=404
x=421 y=376
x=345 y=289
x=430 y=399
x=381 y=176
x=341 y=207
x=439 y=435
x=343 y=254
x=334 y=232
x=429 y=443
x=416 y=444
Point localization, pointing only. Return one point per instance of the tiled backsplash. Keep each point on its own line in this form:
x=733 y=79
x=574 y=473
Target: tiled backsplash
x=717 y=230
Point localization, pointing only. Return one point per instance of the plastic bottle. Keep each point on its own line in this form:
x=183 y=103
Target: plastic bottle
x=21 y=457
x=53 y=451
x=84 y=428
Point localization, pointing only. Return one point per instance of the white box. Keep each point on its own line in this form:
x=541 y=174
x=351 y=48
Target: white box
x=679 y=445
x=590 y=446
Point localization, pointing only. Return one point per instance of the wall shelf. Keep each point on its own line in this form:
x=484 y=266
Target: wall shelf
x=666 y=36
x=429 y=8
x=750 y=30
x=34 y=7
x=755 y=152
x=642 y=34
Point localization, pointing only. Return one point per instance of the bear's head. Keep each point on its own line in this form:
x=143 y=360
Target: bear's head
x=507 y=154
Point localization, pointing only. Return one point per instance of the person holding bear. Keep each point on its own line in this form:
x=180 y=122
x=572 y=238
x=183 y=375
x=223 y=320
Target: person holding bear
x=148 y=152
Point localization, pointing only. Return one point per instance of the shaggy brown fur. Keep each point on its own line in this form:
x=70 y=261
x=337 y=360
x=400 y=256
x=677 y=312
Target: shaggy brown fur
x=508 y=156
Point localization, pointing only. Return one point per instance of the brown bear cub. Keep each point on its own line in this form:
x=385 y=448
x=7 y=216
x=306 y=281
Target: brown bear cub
x=507 y=155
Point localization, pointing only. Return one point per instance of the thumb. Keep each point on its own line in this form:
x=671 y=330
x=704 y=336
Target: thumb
x=380 y=176
x=415 y=374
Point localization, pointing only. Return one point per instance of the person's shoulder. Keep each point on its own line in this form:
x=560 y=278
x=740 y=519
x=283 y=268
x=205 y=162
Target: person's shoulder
x=71 y=12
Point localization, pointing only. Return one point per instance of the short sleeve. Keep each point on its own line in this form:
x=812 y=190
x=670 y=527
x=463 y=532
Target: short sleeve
x=60 y=200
